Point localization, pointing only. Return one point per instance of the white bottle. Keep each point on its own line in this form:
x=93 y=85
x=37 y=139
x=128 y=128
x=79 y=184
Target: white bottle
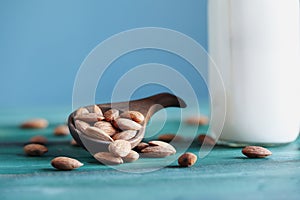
x=255 y=45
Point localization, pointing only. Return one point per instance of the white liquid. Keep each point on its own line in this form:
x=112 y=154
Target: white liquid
x=255 y=44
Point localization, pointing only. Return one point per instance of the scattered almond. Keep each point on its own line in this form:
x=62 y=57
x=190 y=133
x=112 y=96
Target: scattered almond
x=106 y=127
x=65 y=163
x=170 y=137
x=127 y=124
x=187 y=159
x=141 y=146
x=132 y=156
x=256 y=152
x=39 y=139
x=111 y=114
x=74 y=143
x=133 y=115
x=158 y=149
x=206 y=140
x=35 y=149
x=125 y=135
x=120 y=148
x=35 y=124
x=198 y=121
x=108 y=158
x=97 y=133
x=61 y=130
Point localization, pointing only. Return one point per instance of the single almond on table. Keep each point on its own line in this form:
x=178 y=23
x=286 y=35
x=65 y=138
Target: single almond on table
x=65 y=163
x=168 y=137
x=106 y=127
x=119 y=148
x=82 y=111
x=256 y=152
x=89 y=117
x=97 y=133
x=81 y=125
x=35 y=149
x=132 y=156
x=127 y=124
x=74 y=143
x=125 y=135
x=61 y=130
x=206 y=140
x=35 y=124
x=111 y=114
x=38 y=139
x=141 y=146
x=158 y=149
x=108 y=158
x=187 y=159
x=133 y=115
x=197 y=120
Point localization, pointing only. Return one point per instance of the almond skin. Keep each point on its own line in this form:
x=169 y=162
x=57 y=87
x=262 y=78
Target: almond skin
x=120 y=148
x=74 y=143
x=133 y=115
x=65 y=163
x=38 y=139
x=61 y=130
x=156 y=152
x=89 y=117
x=82 y=111
x=111 y=115
x=187 y=159
x=81 y=125
x=256 y=152
x=106 y=127
x=141 y=146
x=35 y=149
x=97 y=110
x=108 y=158
x=168 y=137
x=131 y=157
x=35 y=124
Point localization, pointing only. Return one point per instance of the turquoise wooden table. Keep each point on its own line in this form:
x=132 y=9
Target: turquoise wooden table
x=224 y=174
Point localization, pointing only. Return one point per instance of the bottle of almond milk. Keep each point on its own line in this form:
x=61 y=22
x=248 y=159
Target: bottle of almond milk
x=255 y=45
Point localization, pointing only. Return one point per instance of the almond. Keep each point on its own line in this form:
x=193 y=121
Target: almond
x=125 y=135
x=35 y=149
x=197 y=120
x=120 y=148
x=133 y=115
x=97 y=110
x=108 y=158
x=111 y=114
x=156 y=152
x=206 y=140
x=81 y=125
x=127 y=124
x=163 y=144
x=141 y=146
x=82 y=111
x=97 y=133
x=106 y=127
x=65 y=163
x=170 y=137
x=35 y=124
x=39 y=139
x=61 y=130
x=89 y=117
x=187 y=159
x=74 y=143
x=132 y=156
x=256 y=152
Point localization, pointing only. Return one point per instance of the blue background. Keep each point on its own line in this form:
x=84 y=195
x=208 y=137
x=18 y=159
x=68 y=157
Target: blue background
x=43 y=43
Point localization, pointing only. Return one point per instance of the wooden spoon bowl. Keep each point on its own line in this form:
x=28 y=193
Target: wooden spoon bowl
x=147 y=106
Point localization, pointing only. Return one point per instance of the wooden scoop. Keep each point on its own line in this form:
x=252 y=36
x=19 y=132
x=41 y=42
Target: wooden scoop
x=147 y=106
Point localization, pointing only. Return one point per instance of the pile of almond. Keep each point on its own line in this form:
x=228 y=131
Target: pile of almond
x=118 y=128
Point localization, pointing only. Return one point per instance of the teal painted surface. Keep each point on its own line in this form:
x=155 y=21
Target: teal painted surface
x=224 y=174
